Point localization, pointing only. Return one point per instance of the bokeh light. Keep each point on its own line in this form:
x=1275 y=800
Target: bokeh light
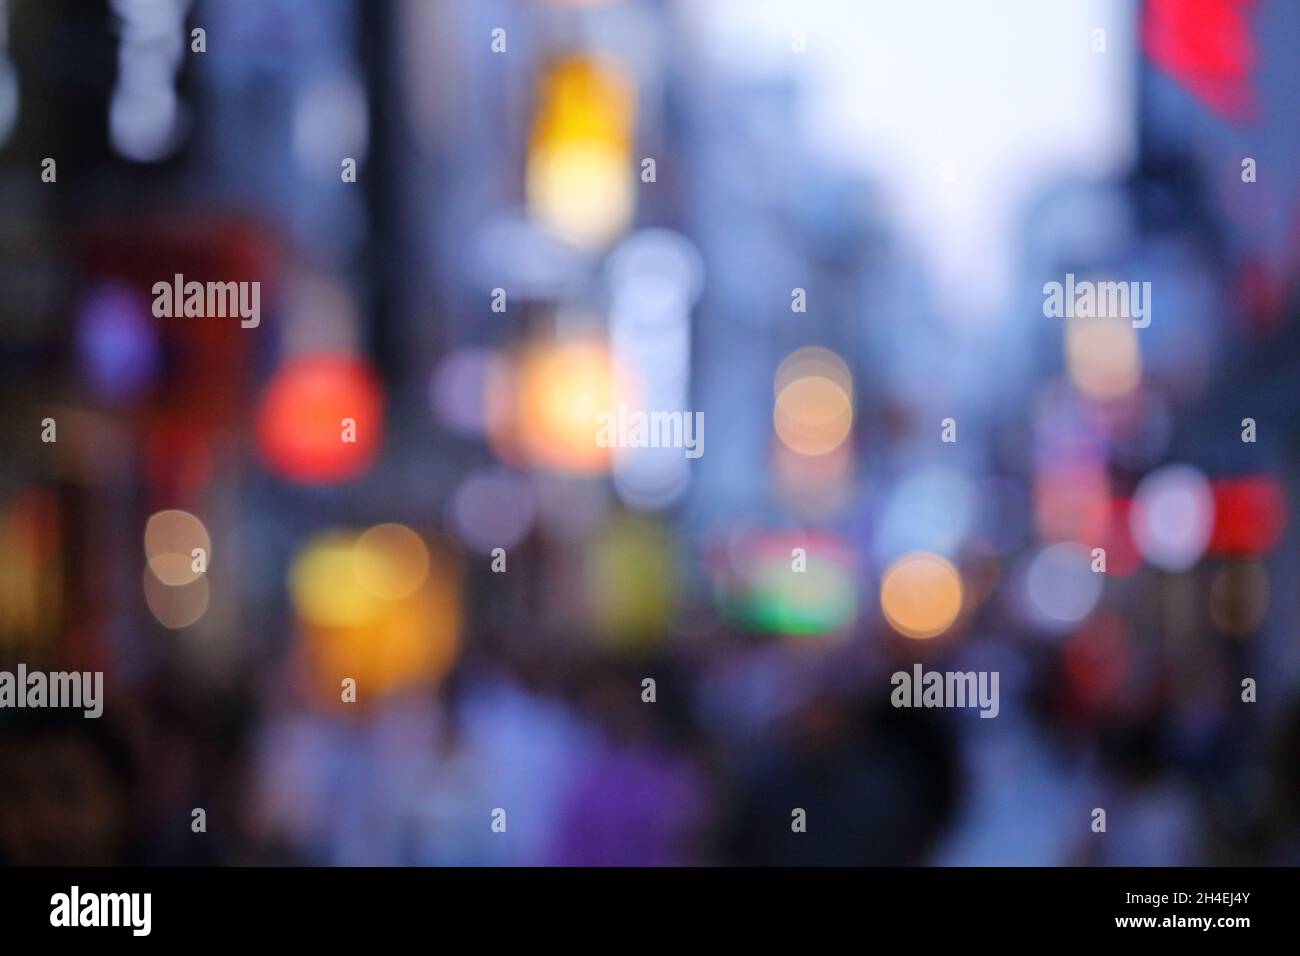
x=302 y=422
x=1061 y=587
x=655 y=277
x=176 y=606
x=758 y=584
x=1172 y=517
x=631 y=582
x=412 y=644
x=324 y=587
x=813 y=408
x=580 y=179
x=1249 y=516
x=492 y=508
x=383 y=608
x=559 y=390
x=921 y=595
x=1103 y=357
x=170 y=538
x=390 y=561
x=116 y=340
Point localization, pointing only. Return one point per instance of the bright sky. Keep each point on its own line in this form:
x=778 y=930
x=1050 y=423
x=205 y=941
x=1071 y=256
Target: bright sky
x=1009 y=90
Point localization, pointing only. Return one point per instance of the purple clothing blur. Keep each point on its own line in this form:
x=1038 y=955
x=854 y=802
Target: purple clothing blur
x=631 y=806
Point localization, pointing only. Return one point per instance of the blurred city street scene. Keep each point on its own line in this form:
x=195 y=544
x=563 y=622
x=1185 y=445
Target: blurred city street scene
x=368 y=587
